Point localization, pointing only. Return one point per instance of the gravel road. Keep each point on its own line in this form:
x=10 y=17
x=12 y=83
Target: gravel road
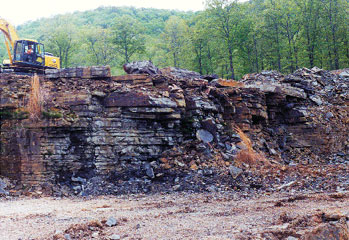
x=173 y=216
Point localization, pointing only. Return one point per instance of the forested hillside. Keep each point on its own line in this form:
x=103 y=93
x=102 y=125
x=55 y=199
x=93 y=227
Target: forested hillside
x=228 y=38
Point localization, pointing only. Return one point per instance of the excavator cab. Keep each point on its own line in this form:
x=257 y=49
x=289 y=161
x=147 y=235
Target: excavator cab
x=28 y=53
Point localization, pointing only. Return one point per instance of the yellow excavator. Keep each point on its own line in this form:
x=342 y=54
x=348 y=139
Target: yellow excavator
x=25 y=55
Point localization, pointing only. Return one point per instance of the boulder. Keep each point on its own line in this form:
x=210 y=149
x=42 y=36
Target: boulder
x=141 y=67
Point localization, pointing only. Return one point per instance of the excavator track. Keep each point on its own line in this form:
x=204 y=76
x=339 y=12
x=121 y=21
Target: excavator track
x=27 y=71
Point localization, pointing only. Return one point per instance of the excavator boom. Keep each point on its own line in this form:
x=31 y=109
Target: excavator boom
x=10 y=36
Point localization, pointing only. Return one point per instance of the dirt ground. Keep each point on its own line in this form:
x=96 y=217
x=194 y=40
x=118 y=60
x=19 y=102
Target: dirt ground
x=173 y=216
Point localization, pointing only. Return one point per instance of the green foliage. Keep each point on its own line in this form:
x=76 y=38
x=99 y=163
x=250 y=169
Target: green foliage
x=96 y=47
x=18 y=114
x=51 y=114
x=5 y=115
x=127 y=37
x=175 y=40
x=230 y=38
x=60 y=39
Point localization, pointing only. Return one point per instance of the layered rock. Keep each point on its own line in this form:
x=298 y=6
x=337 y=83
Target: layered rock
x=88 y=128
x=96 y=124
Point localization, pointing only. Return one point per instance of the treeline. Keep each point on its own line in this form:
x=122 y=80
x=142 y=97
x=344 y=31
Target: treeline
x=229 y=38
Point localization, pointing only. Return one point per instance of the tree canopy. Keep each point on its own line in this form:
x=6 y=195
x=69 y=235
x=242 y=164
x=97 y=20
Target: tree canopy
x=229 y=38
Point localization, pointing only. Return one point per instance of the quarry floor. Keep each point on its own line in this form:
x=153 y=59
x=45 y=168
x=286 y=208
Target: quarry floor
x=228 y=215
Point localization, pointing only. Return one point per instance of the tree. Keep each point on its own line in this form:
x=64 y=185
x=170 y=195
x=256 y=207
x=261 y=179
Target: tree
x=332 y=15
x=229 y=38
x=60 y=39
x=310 y=13
x=199 y=34
x=272 y=17
x=226 y=18
x=127 y=37
x=291 y=26
x=174 y=38
x=98 y=45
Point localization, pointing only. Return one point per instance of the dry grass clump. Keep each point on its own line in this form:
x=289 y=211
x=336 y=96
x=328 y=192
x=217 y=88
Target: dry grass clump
x=252 y=159
x=34 y=106
x=249 y=156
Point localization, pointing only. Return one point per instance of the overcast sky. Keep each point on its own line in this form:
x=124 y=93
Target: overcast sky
x=20 y=11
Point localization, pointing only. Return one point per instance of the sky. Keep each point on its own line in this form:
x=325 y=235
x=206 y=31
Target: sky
x=20 y=11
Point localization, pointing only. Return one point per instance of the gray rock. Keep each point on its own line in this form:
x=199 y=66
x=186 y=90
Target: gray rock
x=149 y=170
x=316 y=100
x=3 y=192
x=272 y=151
x=344 y=74
x=204 y=136
x=141 y=67
x=115 y=237
x=225 y=156
x=111 y=222
x=3 y=184
x=235 y=138
x=58 y=232
x=78 y=179
x=98 y=94
x=229 y=147
x=212 y=188
x=316 y=69
x=235 y=171
x=77 y=188
x=329 y=115
x=279 y=89
x=67 y=237
x=291 y=238
x=208 y=172
x=183 y=73
x=201 y=147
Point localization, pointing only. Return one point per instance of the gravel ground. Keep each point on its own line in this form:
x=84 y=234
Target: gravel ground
x=171 y=216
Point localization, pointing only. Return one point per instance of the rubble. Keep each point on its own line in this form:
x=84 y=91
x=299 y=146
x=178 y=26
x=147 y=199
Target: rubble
x=329 y=231
x=143 y=67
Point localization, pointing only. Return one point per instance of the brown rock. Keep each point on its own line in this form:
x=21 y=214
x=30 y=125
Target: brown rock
x=328 y=231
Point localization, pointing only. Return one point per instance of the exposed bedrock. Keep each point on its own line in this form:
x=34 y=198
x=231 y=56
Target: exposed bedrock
x=95 y=124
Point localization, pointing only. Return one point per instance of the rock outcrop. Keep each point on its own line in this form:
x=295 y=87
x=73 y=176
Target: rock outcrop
x=96 y=124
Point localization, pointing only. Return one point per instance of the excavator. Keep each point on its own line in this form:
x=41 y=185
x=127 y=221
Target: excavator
x=25 y=55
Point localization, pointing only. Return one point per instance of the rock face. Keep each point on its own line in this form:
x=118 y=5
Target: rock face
x=90 y=128
x=101 y=124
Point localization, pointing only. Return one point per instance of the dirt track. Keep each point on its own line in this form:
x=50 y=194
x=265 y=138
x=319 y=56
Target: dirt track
x=175 y=216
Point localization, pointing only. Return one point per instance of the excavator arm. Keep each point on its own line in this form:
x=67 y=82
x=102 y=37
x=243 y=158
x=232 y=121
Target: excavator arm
x=10 y=36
